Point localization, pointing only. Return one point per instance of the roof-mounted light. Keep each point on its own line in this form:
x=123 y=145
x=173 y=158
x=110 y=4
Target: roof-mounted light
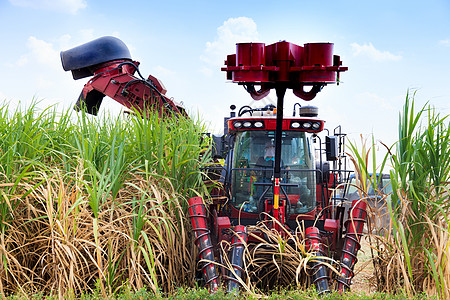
x=306 y=125
x=259 y=124
x=316 y=125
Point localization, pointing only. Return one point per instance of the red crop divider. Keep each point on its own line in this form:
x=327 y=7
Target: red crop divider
x=320 y=270
x=354 y=225
x=197 y=213
x=238 y=244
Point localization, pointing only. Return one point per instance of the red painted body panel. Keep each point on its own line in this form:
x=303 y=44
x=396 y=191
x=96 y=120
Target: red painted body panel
x=117 y=81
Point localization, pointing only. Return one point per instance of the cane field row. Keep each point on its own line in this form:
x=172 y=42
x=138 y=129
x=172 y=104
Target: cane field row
x=203 y=294
x=97 y=207
x=96 y=203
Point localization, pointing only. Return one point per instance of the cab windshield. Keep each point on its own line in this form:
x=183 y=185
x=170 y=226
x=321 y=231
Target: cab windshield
x=253 y=162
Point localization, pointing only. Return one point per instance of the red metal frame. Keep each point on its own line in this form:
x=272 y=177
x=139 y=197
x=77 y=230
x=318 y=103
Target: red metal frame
x=116 y=79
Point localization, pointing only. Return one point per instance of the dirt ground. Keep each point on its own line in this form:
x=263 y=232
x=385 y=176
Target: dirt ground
x=364 y=281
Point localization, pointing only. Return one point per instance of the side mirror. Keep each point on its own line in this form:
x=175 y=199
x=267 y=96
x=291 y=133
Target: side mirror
x=331 y=147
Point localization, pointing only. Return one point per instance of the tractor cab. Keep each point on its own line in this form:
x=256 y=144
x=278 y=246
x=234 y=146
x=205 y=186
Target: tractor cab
x=248 y=176
x=253 y=159
x=252 y=170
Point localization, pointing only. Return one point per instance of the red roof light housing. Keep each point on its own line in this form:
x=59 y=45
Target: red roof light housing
x=311 y=125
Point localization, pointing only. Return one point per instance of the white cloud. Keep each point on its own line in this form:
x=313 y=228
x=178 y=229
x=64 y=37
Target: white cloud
x=207 y=71
x=43 y=53
x=65 y=40
x=368 y=99
x=163 y=72
x=42 y=82
x=445 y=43
x=370 y=51
x=22 y=61
x=233 y=30
x=87 y=34
x=66 y=6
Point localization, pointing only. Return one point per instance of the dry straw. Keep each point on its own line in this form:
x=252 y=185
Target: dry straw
x=100 y=204
x=90 y=204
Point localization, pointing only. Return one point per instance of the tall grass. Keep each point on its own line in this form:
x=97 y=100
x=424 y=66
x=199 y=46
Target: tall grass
x=99 y=204
x=96 y=202
x=413 y=254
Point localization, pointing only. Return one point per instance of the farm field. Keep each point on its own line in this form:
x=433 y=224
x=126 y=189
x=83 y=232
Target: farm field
x=95 y=208
x=224 y=150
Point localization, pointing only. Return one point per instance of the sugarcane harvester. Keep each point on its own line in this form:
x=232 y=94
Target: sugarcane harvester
x=271 y=173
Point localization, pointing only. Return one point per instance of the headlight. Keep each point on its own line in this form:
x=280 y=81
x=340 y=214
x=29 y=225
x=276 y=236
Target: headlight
x=306 y=125
x=316 y=125
x=259 y=124
x=237 y=124
x=247 y=124
x=295 y=125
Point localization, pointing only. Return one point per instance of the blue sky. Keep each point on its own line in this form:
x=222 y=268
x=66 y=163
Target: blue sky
x=389 y=47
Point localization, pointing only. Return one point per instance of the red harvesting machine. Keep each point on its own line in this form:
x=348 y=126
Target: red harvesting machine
x=277 y=169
